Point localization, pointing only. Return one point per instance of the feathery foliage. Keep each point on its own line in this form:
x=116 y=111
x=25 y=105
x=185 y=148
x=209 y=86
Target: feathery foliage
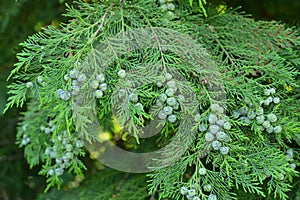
x=221 y=87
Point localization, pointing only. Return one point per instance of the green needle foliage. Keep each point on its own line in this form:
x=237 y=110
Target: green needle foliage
x=107 y=184
x=232 y=118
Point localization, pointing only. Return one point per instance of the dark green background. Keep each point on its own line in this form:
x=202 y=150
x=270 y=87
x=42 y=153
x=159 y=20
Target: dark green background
x=18 y=20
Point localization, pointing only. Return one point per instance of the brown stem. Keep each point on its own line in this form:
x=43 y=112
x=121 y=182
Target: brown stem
x=153 y=195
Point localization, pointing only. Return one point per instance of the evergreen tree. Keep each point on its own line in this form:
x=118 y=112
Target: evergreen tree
x=216 y=86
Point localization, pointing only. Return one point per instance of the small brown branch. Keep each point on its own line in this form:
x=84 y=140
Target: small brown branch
x=101 y=24
x=153 y=195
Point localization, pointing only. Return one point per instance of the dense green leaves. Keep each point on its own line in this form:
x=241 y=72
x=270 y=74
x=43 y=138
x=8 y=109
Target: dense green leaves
x=107 y=184
x=231 y=70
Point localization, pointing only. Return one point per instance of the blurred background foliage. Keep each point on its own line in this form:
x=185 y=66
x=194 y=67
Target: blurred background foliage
x=281 y=10
x=18 y=20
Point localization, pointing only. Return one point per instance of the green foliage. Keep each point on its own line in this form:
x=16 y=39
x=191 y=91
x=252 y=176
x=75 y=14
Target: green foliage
x=17 y=21
x=201 y=5
x=254 y=63
x=106 y=184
